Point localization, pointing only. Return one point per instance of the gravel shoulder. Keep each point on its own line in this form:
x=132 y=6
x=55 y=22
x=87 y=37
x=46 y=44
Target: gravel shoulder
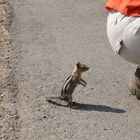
x=8 y=88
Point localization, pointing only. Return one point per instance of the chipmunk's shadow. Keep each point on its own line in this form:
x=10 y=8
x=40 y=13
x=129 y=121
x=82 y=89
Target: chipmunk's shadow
x=100 y=108
x=91 y=107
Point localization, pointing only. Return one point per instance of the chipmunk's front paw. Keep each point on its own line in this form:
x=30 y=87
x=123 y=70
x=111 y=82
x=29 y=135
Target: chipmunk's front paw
x=73 y=103
x=84 y=85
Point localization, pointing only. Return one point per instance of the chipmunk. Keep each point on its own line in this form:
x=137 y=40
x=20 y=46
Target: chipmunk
x=70 y=84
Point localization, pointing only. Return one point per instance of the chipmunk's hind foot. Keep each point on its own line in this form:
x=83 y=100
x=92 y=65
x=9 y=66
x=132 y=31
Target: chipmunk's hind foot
x=71 y=104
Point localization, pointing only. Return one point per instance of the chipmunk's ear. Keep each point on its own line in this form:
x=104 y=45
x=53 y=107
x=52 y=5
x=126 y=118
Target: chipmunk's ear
x=78 y=64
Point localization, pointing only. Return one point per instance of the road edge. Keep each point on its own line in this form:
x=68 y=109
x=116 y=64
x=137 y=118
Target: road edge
x=8 y=105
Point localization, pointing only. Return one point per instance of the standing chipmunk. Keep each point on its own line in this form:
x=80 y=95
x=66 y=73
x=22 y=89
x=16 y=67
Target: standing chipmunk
x=70 y=84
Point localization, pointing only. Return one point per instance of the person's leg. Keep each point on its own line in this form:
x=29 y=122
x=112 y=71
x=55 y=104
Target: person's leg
x=131 y=42
x=131 y=51
x=124 y=36
x=121 y=35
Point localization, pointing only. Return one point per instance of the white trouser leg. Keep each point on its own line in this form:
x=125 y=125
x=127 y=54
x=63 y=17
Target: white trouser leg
x=124 y=36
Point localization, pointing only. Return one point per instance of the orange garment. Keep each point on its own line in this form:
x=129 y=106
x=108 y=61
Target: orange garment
x=126 y=7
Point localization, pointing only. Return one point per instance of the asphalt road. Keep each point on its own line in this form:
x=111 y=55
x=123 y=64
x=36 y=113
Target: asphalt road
x=49 y=37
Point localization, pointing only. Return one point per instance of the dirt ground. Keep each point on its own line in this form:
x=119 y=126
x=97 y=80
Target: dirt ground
x=8 y=113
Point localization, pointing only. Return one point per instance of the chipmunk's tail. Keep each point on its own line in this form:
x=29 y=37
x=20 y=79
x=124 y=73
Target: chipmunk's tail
x=57 y=97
